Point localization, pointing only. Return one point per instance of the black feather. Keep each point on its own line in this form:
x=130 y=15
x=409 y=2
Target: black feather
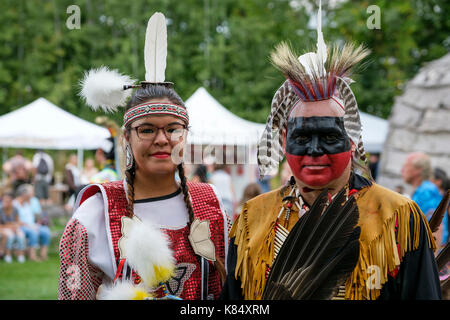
x=319 y=253
x=438 y=214
x=286 y=256
x=443 y=257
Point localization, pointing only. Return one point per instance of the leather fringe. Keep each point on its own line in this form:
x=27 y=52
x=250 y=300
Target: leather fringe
x=384 y=254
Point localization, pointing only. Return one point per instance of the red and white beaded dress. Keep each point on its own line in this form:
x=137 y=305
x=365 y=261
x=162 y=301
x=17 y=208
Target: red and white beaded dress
x=89 y=246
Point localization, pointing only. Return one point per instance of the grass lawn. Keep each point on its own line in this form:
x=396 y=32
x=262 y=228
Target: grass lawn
x=30 y=280
x=33 y=280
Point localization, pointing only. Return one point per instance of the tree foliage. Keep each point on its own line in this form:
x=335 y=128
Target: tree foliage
x=222 y=45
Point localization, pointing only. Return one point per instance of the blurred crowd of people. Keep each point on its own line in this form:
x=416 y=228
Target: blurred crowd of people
x=219 y=176
x=24 y=223
x=25 y=198
x=23 y=226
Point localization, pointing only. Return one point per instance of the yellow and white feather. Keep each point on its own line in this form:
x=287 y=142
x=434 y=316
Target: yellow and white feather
x=147 y=251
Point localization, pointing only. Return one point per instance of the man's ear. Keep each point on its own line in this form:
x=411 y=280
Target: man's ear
x=353 y=148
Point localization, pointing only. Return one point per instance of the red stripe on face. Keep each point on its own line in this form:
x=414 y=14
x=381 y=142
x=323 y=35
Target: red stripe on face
x=319 y=171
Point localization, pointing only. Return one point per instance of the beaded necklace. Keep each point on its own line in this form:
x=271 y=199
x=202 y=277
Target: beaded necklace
x=281 y=230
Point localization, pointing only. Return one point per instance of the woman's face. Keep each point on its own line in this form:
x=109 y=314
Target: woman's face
x=157 y=142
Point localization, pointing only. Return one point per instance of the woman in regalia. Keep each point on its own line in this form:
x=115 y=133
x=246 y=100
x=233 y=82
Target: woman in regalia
x=151 y=235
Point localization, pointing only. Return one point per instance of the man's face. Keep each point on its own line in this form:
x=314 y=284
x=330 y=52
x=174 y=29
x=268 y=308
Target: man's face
x=317 y=146
x=409 y=171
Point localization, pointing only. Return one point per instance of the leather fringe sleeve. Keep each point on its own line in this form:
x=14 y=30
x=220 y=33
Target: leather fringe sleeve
x=384 y=252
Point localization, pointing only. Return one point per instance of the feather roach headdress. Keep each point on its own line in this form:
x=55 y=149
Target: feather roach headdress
x=313 y=76
x=107 y=89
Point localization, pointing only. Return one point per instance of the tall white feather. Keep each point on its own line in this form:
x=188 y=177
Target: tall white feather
x=314 y=62
x=321 y=46
x=102 y=88
x=155 y=51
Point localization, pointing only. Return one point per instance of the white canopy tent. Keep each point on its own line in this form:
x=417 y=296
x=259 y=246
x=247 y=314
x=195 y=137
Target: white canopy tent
x=43 y=125
x=212 y=124
x=374 y=132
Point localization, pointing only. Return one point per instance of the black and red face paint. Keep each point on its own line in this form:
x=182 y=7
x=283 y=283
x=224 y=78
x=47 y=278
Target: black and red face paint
x=318 y=149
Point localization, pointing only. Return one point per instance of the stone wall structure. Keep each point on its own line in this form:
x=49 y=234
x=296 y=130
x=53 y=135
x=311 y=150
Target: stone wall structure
x=419 y=121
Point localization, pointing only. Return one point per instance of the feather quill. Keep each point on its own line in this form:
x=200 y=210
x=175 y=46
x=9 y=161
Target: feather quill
x=155 y=51
x=313 y=62
x=438 y=214
x=319 y=254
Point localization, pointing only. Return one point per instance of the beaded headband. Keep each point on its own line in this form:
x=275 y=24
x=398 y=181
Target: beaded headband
x=155 y=108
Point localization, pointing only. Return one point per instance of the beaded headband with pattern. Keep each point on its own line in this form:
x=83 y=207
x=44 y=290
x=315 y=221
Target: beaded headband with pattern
x=155 y=108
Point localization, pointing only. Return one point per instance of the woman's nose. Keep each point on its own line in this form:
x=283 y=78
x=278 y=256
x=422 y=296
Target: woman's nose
x=160 y=137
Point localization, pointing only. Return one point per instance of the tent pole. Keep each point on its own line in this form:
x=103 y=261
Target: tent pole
x=80 y=154
x=4 y=159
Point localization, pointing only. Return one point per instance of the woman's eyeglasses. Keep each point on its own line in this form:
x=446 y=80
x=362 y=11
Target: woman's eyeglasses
x=149 y=132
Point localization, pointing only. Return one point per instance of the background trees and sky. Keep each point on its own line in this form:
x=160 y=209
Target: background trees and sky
x=222 y=45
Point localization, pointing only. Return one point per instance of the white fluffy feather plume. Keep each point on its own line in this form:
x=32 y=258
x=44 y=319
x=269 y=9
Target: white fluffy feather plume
x=147 y=251
x=155 y=51
x=102 y=88
x=317 y=59
x=121 y=290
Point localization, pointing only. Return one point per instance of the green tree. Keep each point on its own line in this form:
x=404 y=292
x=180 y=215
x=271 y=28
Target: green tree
x=222 y=45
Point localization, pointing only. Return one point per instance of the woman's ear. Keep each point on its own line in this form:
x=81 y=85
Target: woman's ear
x=353 y=148
x=126 y=135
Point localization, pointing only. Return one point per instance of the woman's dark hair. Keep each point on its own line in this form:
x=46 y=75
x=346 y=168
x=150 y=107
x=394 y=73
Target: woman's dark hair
x=439 y=174
x=251 y=190
x=201 y=172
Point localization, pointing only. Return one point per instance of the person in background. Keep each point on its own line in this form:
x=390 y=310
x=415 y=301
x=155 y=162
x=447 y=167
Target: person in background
x=10 y=225
x=373 y=165
x=72 y=174
x=251 y=190
x=43 y=173
x=88 y=171
x=105 y=157
x=200 y=174
x=36 y=233
x=417 y=172
x=400 y=189
x=441 y=180
x=18 y=169
x=222 y=181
